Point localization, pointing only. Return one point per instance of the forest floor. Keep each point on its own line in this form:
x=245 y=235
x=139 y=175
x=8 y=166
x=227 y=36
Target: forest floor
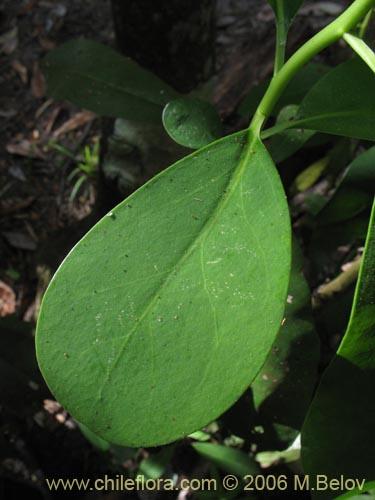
x=42 y=141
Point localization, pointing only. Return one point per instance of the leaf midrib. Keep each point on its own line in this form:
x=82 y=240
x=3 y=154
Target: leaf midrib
x=202 y=234
x=303 y=121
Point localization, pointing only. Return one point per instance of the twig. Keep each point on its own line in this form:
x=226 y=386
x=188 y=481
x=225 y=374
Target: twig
x=337 y=285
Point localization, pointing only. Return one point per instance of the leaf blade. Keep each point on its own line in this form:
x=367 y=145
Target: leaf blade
x=344 y=395
x=341 y=103
x=191 y=122
x=288 y=8
x=96 y=77
x=162 y=334
x=228 y=459
x=362 y=49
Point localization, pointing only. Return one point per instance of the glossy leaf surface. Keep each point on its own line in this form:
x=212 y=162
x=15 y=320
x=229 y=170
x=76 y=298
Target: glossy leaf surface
x=177 y=295
x=337 y=436
x=191 y=122
x=96 y=77
x=286 y=9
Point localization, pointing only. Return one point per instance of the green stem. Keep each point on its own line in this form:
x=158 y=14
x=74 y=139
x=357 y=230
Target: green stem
x=330 y=34
x=281 y=33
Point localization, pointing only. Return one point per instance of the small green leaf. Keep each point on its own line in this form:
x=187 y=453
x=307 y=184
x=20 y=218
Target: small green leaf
x=228 y=459
x=96 y=77
x=325 y=242
x=175 y=296
x=284 y=145
x=154 y=466
x=200 y=436
x=286 y=9
x=338 y=433
x=191 y=122
x=362 y=49
x=95 y=440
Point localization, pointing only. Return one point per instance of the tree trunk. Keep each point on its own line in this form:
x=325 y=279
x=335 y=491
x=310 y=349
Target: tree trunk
x=174 y=39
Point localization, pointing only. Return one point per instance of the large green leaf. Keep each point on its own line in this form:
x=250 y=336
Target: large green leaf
x=283 y=389
x=96 y=77
x=161 y=317
x=286 y=10
x=338 y=434
x=341 y=103
x=191 y=122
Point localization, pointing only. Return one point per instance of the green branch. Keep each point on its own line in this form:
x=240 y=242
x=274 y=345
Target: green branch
x=281 y=33
x=330 y=34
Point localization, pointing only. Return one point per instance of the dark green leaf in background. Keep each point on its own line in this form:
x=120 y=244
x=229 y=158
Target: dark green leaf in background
x=155 y=466
x=338 y=434
x=283 y=388
x=354 y=194
x=161 y=317
x=295 y=91
x=96 y=77
x=287 y=9
x=285 y=144
x=96 y=441
x=325 y=242
x=228 y=459
x=191 y=122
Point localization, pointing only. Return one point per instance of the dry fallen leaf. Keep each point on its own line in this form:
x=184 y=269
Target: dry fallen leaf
x=15 y=205
x=25 y=148
x=38 y=84
x=78 y=120
x=20 y=69
x=7 y=300
x=19 y=240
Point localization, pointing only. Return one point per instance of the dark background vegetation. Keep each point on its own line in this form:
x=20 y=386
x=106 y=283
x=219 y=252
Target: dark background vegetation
x=229 y=45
